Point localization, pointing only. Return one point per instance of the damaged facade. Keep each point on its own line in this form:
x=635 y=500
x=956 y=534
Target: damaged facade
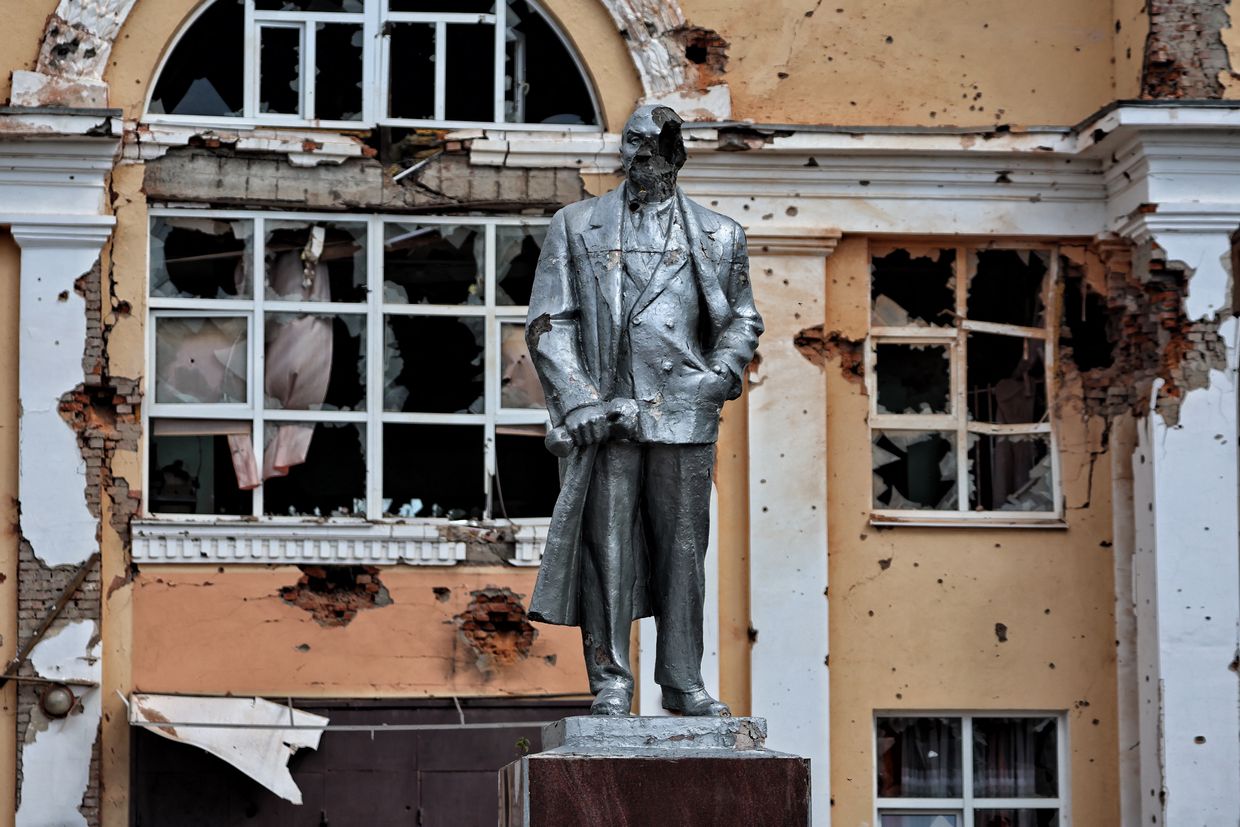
x=274 y=444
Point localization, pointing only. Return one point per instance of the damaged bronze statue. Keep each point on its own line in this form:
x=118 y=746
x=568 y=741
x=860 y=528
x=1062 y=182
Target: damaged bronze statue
x=640 y=326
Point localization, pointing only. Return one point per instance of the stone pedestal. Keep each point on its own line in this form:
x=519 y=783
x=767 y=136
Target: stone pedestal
x=633 y=772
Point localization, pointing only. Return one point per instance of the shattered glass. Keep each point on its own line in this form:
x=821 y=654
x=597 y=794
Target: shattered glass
x=516 y=257
x=434 y=471
x=321 y=261
x=914 y=470
x=1015 y=758
x=314 y=469
x=434 y=264
x=191 y=468
x=1006 y=379
x=1010 y=473
x=1016 y=818
x=434 y=364
x=1006 y=287
x=194 y=81
x=201 y=258
x=411 y=72
x=279 y=71
x=913 y=378
x=338 y=78
x=200 y=359
x=909 y=290
x=519 y=383
x=315 y=362
x=553 y=89
x=919 y=758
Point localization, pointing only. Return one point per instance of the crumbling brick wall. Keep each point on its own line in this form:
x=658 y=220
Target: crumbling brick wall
x=1184 y=52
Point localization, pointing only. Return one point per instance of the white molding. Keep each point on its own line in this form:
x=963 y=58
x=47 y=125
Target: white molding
x=290 y=544
x=792 y=241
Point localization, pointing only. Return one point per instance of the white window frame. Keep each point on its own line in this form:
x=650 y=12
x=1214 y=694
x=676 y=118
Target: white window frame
x=374 y=310
x=376 y=54
x=957 y=422
x=964 y=806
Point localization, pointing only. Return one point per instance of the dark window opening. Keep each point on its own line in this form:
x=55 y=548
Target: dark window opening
x=201 y=258
x=528 y=475
x=332 y=480
x=299 y=255
x=463 y=6
x=470 y=76
x=279 y=70
x=913 y=378
x=191 y=468
x=434 y=364
x=338 y=77
x=433 y=264
x=913 y=290
x=1010 y=473
x=433 y=471
x=1006 y=287
x=311 y=5
x=204 y=74
x=919 y=758
x=1091 y=332
x=516 y=259
x=1006 y=379
x=555 y=90
x=411 y=80
x=914 y=470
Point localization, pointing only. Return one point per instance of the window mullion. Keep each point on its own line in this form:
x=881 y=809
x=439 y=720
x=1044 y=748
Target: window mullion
x=441 y=70
x=966 y=758
x=501 y=51
x=309 y=60
x=257 y=394
x=372 y=80
x=249 y=75
x=490 y=370
x=374 y=369
x=960 y=392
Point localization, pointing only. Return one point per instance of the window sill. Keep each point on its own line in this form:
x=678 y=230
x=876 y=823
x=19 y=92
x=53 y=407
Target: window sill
x=992 y=519
x=336 y=542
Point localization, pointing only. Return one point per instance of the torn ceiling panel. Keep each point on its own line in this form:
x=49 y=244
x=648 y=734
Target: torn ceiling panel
x=241 y=732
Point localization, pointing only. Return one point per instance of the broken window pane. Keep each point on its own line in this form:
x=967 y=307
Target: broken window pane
x=1015 y=818
x=195 y=80
x=1015 y=758
x=1007 y=287
x=279 y=70
x=316 y=261
x=919 y=758
x=338 y=76
x=314 y=470
x=1006 y=379
x=201 y=258
x=191 y=466
x=411 y=76
x=528 y=475
x=466 y=6
x=519 y=384
x=309 y=5
x=516 y=258
x=555 y=90
x=315 y=362
x=913 y=378
x=433 y=264
x=470 y=93
x=434 y=364
x=433 y=471
x=200 y=359
x=1010 y=473
x=914 y=470
x=913 y=290
x=919 y=820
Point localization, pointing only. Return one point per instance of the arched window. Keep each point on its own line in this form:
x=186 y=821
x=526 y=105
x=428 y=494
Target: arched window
x=351 y=63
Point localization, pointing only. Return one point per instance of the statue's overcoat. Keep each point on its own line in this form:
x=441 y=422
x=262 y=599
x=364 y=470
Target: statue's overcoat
x=574 y=329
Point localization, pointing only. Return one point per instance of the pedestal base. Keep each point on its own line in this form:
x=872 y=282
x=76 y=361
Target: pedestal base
x=633 y=772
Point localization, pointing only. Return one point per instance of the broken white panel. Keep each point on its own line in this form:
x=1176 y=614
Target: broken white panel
x=250 y=739
x=650 y=698
x=712 y=104
x=52 y=473
x=56 y=751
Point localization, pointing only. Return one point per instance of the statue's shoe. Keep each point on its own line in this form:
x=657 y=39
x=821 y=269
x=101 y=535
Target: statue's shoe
x=696 y=702
x=612 y=700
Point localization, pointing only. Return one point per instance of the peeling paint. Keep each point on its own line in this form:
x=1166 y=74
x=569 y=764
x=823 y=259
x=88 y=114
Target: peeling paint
x=819 y=347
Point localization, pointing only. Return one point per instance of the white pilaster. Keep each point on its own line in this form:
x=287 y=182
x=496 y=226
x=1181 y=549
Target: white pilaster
x=788 y=505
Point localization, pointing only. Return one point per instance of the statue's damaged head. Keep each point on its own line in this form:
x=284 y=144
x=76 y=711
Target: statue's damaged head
x=652 y=151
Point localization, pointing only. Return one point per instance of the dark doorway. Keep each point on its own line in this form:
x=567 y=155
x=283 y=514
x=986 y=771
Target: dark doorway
x=431 y=778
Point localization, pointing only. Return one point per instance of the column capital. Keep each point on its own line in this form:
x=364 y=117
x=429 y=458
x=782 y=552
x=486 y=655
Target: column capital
x=69 y=231
x=793 y=241
x=1185 y=219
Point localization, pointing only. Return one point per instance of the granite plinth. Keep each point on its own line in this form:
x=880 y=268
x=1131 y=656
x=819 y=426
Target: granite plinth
x=631 y=771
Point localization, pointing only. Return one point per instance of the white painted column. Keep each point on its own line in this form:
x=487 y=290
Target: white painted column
x=1186 y=567
x=788 y=506
x=52 y=474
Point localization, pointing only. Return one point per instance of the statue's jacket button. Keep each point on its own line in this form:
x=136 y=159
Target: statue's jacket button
x=667 y=365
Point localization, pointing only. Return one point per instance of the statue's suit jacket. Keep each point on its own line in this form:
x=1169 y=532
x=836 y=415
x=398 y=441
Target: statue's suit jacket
x=696 y=311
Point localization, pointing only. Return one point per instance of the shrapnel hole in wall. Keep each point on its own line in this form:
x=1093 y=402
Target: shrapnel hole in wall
x=495 y=626
x=335 y=594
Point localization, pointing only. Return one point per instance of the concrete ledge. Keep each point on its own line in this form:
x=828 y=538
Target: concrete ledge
x=609 y=735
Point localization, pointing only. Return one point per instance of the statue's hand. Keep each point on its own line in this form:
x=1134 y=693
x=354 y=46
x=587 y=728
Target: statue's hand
x=587 y=425
x=717 y=384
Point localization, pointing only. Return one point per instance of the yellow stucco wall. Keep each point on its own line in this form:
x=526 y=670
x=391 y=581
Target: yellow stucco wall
x=919 y=634
x=20 y=37
x=10 y=282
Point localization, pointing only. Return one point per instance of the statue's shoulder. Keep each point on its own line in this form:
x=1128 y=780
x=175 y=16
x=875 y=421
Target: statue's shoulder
x=717 y=224
x=577 y=213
